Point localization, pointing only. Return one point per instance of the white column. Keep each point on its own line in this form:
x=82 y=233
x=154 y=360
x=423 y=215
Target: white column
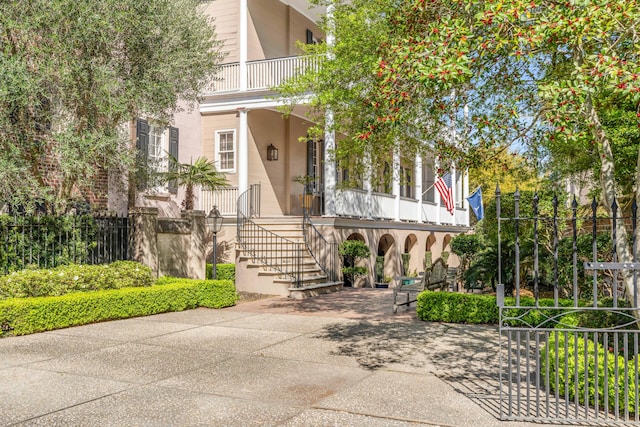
x=368 y=171
x=243 y=31
x=465 y=194
x=436 y=176
x=396 y=184
x=243 y=151
x=329 y=167
x=454 y=191
x=329 y=138
x=418 y=187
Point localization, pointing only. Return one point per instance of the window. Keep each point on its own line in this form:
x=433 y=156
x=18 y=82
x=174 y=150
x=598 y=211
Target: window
x=428 y=179
x=226 y=150
x=154 y=144
x=406 y=182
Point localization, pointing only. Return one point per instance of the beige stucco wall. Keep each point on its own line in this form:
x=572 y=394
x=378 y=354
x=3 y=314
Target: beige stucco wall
x=273 y=28
x=226 y=15
x=279 y=191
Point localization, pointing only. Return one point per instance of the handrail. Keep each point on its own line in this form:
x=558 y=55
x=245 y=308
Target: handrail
x=268 y=248
x=325 y=253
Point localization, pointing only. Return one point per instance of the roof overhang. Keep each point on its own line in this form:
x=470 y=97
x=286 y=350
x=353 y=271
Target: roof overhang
x=303 y=7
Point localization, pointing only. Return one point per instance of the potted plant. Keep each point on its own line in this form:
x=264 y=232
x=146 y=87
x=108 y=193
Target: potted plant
x=352 y=252
x=306 y=198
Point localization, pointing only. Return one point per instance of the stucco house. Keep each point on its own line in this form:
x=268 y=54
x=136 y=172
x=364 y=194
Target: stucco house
x=282 y=238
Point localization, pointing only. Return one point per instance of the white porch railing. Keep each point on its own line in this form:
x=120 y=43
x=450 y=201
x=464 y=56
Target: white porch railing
x=261 y=75
x=355 y=203
x=225 y=199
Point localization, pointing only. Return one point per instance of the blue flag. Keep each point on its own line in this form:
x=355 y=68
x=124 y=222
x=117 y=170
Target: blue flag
x=475 y=202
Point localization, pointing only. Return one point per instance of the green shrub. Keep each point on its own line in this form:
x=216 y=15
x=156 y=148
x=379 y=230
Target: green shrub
x=20 y=316
x=452 y=307
x=555 y=349
x=74 y=278
x=224 y=271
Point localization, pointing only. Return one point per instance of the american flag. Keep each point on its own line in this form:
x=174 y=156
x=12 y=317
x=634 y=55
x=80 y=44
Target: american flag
x=443 y=185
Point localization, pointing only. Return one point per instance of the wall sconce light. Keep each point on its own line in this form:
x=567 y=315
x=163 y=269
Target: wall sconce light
x=272 y=152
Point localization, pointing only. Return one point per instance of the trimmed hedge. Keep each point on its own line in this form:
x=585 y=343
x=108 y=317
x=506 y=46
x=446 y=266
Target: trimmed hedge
x=556 y=349
x=74 y=278
x=224 y=271
x=452 y=307
x=20 y=316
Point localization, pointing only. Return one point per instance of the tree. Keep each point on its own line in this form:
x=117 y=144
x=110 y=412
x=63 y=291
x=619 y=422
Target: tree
x=202 y=172
x=352 y=252
x=469 y=76
x=75 y=73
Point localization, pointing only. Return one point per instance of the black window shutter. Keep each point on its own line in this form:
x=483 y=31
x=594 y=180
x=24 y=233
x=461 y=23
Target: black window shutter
x=142 y=153
x=309 y=37
x=174 y=135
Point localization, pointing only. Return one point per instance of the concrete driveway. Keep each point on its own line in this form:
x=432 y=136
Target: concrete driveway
x=341 y=359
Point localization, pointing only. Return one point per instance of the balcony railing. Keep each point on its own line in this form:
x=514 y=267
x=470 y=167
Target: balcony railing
x=355 y=203
x=225 y=199
x=261 y=75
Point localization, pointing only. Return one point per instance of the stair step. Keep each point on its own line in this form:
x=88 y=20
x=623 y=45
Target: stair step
x=315 y=273
x=302 y=292
x=310 y=279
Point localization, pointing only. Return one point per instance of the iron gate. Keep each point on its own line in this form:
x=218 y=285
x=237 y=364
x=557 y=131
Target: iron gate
x=573 y=356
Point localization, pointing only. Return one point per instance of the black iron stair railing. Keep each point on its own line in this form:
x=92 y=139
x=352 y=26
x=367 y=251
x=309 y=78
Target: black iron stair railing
x=274 y=251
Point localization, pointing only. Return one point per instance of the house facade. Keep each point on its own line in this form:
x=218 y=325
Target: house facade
x=281 y=234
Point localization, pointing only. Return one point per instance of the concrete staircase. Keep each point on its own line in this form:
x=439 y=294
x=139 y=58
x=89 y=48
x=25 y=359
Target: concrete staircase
x=255 y=275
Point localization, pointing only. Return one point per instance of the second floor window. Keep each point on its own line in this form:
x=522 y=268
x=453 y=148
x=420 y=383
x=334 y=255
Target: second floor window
x=226 y=150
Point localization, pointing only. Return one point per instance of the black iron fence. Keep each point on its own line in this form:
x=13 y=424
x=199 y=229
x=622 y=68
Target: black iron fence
x=325 y=253
x=46 y=241
x=276 y=252
x=569 y=335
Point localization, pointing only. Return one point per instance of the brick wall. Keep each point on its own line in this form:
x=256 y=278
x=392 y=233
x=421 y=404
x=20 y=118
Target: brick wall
x=95 y=193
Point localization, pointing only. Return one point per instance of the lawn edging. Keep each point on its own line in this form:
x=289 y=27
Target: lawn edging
x=21 y=316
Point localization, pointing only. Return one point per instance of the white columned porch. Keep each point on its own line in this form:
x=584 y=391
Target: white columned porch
x=418 y=186
x=396 y=184
x=243 y=31
x=243 y=151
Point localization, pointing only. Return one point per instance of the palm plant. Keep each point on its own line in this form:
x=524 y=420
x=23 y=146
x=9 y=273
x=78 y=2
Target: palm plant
x=202 y=172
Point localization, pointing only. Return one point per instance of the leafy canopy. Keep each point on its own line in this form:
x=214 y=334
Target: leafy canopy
x=74 y=73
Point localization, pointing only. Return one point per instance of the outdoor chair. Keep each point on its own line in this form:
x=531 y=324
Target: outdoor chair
x=407 y=288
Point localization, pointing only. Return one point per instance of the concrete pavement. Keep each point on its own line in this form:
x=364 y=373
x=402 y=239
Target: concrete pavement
x=341 y=359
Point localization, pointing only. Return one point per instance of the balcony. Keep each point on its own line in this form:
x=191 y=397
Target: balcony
x=261 y=75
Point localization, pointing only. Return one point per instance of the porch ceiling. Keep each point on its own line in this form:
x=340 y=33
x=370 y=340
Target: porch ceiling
x=302 y=6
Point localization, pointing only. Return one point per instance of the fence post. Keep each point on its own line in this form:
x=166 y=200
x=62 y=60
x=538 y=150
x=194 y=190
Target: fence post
x=144 y=237
x=196 y=252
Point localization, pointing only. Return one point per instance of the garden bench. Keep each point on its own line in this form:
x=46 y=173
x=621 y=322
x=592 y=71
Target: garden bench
x=410 y=287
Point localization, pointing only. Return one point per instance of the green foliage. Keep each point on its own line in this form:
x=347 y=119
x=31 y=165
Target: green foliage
x=465 y=244
x=453 y=307
x=45 y=240
x=201 y=173
x=405 y=263
x=223 y=271
x=352 y=251
x=457 y=308
x=74 y=278
x=575 y=366
x=20 y=316
x=75 y=72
